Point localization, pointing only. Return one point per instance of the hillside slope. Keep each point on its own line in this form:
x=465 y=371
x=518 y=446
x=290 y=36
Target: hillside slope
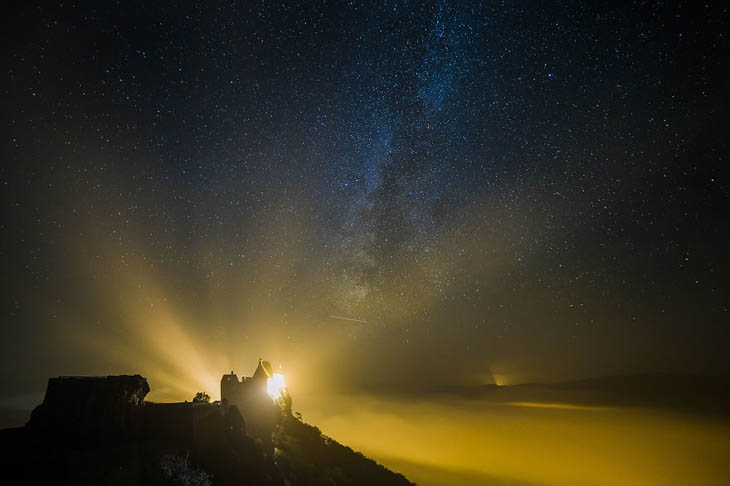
x=99 y=430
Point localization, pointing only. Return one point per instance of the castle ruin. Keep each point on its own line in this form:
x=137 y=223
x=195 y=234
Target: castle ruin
x=252 y=398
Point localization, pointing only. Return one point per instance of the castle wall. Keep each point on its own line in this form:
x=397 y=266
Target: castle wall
x=250 y=397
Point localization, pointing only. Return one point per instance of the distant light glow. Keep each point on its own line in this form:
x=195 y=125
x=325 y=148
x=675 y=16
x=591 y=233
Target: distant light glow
x=275 y=385
x=559 y=406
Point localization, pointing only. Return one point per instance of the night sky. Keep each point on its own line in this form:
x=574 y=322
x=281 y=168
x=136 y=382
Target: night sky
x=363 y=193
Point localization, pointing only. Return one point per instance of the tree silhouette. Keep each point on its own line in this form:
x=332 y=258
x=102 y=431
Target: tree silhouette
x=201 y=397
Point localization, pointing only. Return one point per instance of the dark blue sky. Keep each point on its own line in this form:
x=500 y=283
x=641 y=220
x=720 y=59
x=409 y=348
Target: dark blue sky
x=530 y=186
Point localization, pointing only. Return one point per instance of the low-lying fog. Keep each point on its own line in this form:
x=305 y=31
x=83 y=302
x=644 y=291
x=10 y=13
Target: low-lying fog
x=457 y=440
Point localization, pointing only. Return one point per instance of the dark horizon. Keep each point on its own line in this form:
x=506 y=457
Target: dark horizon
x=385 y=194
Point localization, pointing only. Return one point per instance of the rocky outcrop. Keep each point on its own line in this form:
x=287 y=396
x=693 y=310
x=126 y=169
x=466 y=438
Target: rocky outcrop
x=90 y=407
x=100 y=431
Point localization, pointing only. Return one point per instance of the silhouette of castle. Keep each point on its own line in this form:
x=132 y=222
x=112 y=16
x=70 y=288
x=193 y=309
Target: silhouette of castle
x=248 y=390
x=250 y=396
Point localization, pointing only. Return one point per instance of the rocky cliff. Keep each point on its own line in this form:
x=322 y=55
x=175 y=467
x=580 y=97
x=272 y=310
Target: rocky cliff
x=101 y=431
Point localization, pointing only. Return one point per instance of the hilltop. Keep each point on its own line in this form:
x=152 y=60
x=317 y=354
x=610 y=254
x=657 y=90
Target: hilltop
x=100 y=430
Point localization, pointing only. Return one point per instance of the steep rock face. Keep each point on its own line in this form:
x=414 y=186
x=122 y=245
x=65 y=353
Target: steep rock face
x=93 y=408
x=99 y=431
x=213 y=436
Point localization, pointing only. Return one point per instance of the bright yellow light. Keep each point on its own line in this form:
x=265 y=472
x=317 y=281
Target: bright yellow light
x=275 y=385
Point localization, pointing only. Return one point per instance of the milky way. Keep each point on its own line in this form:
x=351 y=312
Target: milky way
x=525 y=188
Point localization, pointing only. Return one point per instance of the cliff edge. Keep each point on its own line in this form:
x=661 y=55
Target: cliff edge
x=99 y=430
